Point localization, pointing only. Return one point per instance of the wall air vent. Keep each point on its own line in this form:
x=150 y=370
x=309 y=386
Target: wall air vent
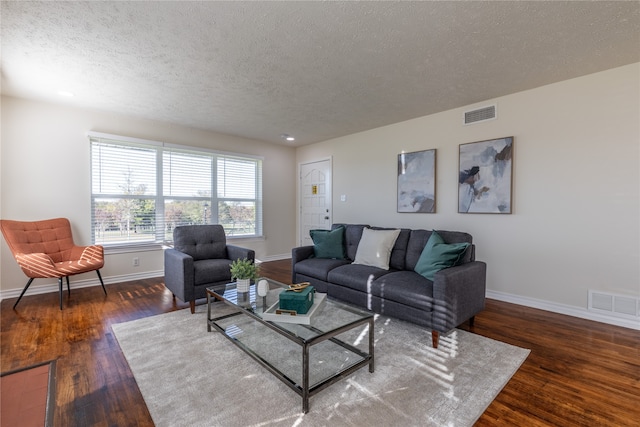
x=617 y=305
x=480 y=114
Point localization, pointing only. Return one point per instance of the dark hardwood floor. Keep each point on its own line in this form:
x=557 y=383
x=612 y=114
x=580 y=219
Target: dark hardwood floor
x=579 y=372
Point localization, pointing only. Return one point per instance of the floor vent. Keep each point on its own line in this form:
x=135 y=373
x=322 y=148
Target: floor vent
x=480 y=115
x=618 y=305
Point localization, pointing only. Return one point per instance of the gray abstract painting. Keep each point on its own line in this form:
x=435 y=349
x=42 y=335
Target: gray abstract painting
x=484 y=184
x=417 y=182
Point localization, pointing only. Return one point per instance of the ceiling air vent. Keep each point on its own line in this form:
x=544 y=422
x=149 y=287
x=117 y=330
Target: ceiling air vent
x=480 y=115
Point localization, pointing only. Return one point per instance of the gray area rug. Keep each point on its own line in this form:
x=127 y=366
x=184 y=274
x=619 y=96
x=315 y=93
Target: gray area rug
x=189 y=377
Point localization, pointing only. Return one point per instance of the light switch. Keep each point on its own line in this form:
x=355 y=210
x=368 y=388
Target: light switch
x=343 y=198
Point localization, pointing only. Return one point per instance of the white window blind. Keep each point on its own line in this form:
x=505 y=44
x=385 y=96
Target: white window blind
x=239 y=195
x=187 y=174
x=141 y=191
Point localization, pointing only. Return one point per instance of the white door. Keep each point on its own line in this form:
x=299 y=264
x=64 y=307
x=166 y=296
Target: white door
x=315 y=198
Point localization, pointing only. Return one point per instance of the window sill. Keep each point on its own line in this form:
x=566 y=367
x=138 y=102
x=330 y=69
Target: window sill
x=125 y=249
x=236 y=239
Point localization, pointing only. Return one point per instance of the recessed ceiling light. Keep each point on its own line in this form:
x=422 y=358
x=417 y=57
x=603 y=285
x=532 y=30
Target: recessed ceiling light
x=65 y=93
x=287 y=137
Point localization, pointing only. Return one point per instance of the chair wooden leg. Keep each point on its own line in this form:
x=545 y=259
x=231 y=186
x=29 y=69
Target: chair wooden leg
x=60 y=287
x=68 y=287
x=192 y=304
x=435 y=337
x=23 y=291
x=472 y=320
x=101 y=282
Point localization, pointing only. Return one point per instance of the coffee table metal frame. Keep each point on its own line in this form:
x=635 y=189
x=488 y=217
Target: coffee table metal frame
x=304 y=390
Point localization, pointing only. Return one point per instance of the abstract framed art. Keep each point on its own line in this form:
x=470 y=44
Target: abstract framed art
x=417 y=182
x=485 y=176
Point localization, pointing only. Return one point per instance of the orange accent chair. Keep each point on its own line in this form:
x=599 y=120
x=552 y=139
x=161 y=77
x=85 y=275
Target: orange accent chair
x=45 y=249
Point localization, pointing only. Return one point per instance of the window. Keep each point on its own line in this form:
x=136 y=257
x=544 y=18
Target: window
x=141 y=190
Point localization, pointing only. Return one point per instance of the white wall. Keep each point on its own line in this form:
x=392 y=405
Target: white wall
x=576 y=220
x=45 y=174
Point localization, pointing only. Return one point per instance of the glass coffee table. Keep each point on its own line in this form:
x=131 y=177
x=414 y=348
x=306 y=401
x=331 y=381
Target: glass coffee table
x=306 y=357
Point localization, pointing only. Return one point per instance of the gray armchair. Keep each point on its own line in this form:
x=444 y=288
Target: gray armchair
x=200 y=258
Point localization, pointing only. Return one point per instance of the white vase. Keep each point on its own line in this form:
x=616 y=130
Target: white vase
x=263 y=288
x=243 y=285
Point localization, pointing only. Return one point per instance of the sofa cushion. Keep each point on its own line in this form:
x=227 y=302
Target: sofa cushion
x=355 y=276
x=328 y=243
x=437 y=255
x=375 y=247
x=405 y=287
x=352 y=235
x=318 y=268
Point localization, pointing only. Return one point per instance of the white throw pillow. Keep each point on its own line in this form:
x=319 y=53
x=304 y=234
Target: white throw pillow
x=375 y=247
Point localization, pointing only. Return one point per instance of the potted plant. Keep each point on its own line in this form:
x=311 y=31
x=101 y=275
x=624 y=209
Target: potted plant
x=243 y=271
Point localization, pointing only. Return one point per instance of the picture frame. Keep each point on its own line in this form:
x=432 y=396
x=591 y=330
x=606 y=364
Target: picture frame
x=485 y=179
x=417 y=182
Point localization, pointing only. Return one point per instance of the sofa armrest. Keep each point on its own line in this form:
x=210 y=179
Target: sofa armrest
x=298 y=254
x=179 y=276
x=237 y=252
x=459 y=294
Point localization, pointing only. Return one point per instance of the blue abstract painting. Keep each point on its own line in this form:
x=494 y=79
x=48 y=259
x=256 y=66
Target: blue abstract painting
x=417 y=182
x=485 y=179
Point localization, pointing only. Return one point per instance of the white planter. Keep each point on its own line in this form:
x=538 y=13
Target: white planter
x=243 y=285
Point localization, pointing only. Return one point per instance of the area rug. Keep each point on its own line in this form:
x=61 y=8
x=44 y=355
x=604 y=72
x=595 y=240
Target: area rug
x=27 y=396
x=189 y=377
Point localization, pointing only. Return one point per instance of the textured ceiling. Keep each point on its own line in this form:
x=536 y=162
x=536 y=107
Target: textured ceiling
x=315 y=70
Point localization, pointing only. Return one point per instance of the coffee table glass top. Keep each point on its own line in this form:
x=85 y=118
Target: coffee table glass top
x=332 y=316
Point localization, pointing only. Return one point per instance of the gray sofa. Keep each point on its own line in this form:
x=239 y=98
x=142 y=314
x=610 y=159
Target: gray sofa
x=455 y=294
x=200 y=258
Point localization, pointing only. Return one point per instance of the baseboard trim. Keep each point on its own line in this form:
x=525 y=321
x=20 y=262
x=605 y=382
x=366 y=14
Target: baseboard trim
x=569 y=310
x=46 y=288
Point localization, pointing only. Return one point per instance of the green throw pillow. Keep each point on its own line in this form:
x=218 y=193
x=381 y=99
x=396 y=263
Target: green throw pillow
x=437 y=255
x=328 y=243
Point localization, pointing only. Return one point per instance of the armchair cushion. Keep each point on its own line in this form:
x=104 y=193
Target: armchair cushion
x=211 y=270
x=201 y=241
